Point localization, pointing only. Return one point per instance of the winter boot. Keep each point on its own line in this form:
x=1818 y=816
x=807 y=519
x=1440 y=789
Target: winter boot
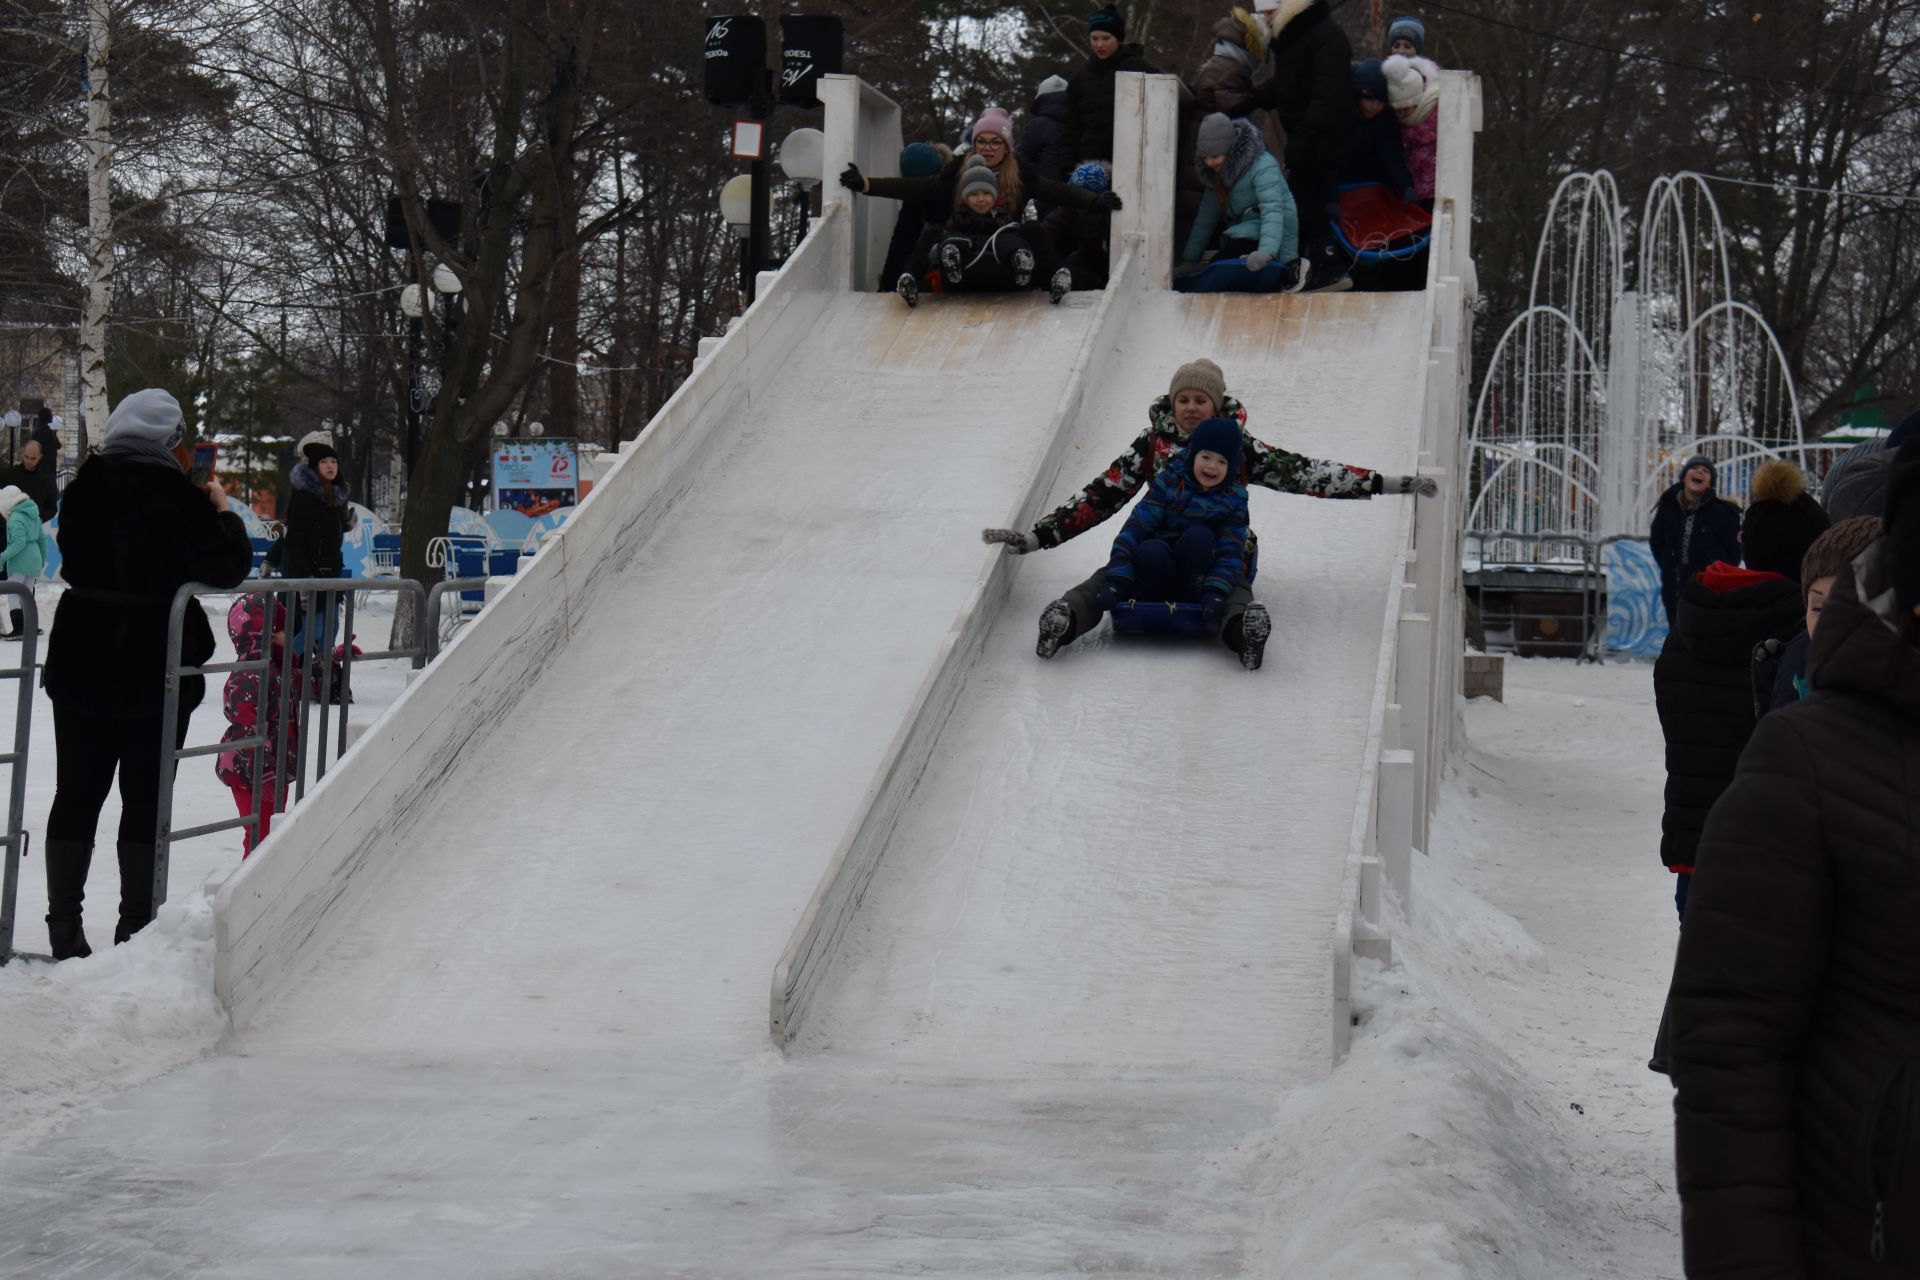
x=1061 y=285
x=908 y=288
x=1256 y=624
x=19 y=619
x=1296 y=275
x=1328 y=272
x=1056 y=628
x=67 y=863
x=1022 y=268
x=950 y=265
x=136 y=890
x=65 y=939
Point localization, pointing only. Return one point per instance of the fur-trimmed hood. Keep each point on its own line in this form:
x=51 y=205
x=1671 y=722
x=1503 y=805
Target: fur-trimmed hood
x=306 y=478
x=1241 y=32
x=1248 y=146
x=1280 y=19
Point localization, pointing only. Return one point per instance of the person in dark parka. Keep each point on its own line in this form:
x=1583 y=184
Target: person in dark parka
x=1795 y=1009
x=1311 y=91
x=133 y=530
x=917 y=160
x=1856 y=484
x=318 y=515
x=1090 y=91
x=1703 y=679
x=1692 y=527
x=1043 y=143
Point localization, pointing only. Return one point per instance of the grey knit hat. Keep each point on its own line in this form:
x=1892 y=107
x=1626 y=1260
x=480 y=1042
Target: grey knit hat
x=978 y=176
x=1200 y=375
x=1217 y=135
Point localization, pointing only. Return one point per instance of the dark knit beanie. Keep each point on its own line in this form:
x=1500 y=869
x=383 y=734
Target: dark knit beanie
x=978 y=176
x=1782 y=521
x=1369 y=81
x=918 y=160
x=1217 y=435
x=1409 y=29
x=1702 y=460
x=317 y=452
x=1217 y=135
x=1835 y=549
x=1109 y=21
x=1903 y=526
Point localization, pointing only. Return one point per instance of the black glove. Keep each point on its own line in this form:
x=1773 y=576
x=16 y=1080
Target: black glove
x=1213 y=608
x=850 y=178
x=1108 y=200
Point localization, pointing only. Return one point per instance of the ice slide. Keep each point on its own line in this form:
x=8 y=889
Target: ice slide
x=1060 y=932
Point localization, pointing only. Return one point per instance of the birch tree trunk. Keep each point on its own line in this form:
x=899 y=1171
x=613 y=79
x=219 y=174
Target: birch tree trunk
x=93 y=319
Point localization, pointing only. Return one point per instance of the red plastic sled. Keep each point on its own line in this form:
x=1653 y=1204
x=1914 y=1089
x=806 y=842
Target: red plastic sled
x=1376 y=227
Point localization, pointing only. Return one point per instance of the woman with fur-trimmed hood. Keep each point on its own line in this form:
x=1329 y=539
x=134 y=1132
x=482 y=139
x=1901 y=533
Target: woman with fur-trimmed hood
x=1247 y=210
x=1225 y=82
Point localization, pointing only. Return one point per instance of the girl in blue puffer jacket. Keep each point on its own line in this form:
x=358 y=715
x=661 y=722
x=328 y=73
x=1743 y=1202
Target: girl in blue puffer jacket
x=1187 y=539
x=1247 y=206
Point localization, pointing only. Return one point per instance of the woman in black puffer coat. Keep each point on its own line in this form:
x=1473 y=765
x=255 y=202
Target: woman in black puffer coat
x=318 y=515
x=1796 y=998
x=133 y=530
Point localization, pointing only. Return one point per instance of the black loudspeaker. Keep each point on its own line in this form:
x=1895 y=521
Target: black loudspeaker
x=442 y=215
x=736 y=58
x=811 y=48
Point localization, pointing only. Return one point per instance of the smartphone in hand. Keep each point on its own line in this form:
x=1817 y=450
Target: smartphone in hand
x=205 y=455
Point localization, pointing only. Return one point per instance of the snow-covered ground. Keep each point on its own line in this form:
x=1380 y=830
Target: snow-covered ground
x=1496 y=1117
x=74 y=1034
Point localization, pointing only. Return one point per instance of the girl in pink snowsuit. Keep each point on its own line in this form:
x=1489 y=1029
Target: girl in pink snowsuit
x=249 y=713
x=1413 y=90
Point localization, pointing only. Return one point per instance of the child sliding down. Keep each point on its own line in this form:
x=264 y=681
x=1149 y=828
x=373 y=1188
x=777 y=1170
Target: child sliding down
x=1186 y=541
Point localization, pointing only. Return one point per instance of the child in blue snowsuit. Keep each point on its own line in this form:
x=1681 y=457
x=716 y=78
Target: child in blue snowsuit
x=1187 y=539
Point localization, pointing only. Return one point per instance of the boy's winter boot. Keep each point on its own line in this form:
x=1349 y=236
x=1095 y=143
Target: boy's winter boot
x=1256 y=624
x=950 y=264
x=67 y=863
x=1022 y=268
x=1061 y=285
x=908 y=288
x=1328 y=271
x=1295 y=277
x=136 y=890
x=1056 y=628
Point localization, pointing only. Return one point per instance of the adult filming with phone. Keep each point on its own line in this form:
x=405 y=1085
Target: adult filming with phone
x=134 y=528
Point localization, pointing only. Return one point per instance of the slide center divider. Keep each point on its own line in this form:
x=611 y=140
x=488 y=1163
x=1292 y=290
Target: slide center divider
x=810 y=953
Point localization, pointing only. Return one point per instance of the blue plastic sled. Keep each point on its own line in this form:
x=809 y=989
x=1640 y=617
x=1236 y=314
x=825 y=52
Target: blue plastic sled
x=1230 y=275
x=1159 y=617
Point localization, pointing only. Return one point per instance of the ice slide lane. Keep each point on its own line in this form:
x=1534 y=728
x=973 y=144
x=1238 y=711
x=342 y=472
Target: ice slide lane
x=1094 y=951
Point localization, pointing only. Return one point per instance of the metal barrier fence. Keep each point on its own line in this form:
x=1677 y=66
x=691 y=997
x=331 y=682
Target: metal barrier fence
x=16 y=759
x=305 y=675
x=1588 y=566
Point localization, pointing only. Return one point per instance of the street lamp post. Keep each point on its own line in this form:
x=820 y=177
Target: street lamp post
x=413 y=302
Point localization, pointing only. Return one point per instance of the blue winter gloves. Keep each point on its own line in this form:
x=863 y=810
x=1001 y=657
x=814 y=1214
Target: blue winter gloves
x=1213 y=608
x=1258 y=260
x=1016 y=542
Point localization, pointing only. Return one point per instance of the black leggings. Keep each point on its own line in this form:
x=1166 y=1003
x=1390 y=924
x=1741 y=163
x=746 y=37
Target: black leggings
x=88 y=749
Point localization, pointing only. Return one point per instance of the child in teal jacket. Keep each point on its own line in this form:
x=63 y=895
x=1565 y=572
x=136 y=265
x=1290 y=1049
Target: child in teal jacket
x=1248 y=210
x=26 y=553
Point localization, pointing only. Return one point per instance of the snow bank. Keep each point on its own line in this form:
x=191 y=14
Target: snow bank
x=78 y=1032
x=1496 y=1117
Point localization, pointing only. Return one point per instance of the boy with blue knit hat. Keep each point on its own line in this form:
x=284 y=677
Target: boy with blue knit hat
x=1187 y=539
x=1407 y=36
